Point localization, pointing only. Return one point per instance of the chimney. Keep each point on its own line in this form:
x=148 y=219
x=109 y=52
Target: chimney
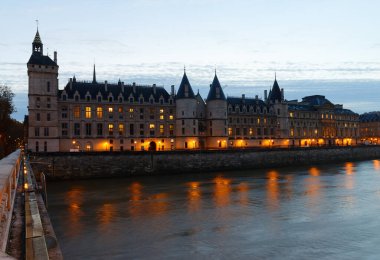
x=105 y=86
x=243 y=96
x=71 y=83
x=265 y=95
x=154 y=89
x=55 y=57
x=282 y=94
x=122 y=87
x=172 y=90
x=134 y=87
x=256 y=97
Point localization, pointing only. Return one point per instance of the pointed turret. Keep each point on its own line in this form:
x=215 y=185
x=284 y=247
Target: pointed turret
x=275 y=93
x=94 y=76
x=216 y=91
x=185 y=90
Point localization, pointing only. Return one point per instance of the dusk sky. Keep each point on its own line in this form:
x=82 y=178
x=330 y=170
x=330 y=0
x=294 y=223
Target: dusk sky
x=330 y=47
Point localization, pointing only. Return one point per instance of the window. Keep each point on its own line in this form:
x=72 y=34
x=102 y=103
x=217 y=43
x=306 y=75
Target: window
x=110 y=99
x=183 y=130
x=120 y=110
x=46 y=131
x=64 y=112
x=38 y=102
x=131 y=129
x=38 y=117
x=130 y=100
x=99 y=129
x=99 y=99
x=161 y=129
x=48 y=103
x=229 y=131
x=48 y=117
x=250 y=131
x=162 y=117
x=88 y=98
x=48 y=86
x=131 y=110
x=171 y=117
x=171 y=130
x=77 y=129
x=88 y=112
x=161 y=111
x=110 y=129
x=37 y=131
x=258 y=121
x=151 y=129
x=110 y=110
x=99 y=112
x=37 y=147
x=76 y=112
x=64 y=129
x=88 y=129
x=121 y=129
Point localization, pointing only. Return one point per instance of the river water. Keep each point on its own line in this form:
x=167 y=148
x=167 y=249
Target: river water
x=319 y=212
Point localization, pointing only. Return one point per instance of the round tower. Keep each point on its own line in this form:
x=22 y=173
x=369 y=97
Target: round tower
x=216 y=117
x=186 y=116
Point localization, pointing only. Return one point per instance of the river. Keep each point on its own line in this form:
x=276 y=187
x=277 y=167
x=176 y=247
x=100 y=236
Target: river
x=320 y=212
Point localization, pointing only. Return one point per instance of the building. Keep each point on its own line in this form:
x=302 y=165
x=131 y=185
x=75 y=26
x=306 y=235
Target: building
x=370 y=127
x=103 y=116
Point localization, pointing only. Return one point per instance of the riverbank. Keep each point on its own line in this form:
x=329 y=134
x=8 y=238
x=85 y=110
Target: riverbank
x=116 y=164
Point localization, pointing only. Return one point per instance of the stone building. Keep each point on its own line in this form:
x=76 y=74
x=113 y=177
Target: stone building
x=103 y=116
x=370 y=127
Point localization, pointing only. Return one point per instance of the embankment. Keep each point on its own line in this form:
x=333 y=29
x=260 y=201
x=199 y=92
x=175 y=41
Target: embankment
x=108 y=164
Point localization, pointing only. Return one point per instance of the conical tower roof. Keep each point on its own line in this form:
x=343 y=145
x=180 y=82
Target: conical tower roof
x=37 y=38
x=275 y=93
x=185 y=90
x=216 y=91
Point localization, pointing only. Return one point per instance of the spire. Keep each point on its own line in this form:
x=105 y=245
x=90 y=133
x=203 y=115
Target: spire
x=74 y=79
x=185 y=90
x=37 y=46
x=275 y=93
x=94 y=76
x=216 y=91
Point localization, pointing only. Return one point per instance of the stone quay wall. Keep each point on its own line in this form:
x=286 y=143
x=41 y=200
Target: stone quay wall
x=116 y=164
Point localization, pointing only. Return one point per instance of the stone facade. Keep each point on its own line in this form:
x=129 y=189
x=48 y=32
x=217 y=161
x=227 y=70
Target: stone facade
x=102 y=116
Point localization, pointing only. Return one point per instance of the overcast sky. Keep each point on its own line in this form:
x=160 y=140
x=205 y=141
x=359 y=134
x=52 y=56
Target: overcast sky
x=327 y=47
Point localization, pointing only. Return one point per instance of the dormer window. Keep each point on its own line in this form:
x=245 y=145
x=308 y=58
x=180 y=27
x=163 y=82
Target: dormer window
x=88 y=98
x=141 y=100
x=76 y=97
x=151 y=100
x=99 y=99
x=110 y=99
x=131 y=100
x=48 y=86
x=120 y=99
x=161 y=101
x=64 y=97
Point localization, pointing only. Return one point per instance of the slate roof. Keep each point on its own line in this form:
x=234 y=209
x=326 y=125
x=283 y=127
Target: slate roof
x=185 y=90
x=317 y=100
x=247 y=102
x=342 y=111
x=300 y=107
x=275 y=93
x=115 y=89
x=39 y=59
x=370 y=117
x=37 y=38
x=216 y=91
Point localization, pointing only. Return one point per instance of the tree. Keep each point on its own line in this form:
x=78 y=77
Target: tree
x=6 y=123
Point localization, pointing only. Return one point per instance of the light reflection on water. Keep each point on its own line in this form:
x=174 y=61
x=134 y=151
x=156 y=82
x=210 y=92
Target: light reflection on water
x=316 y=212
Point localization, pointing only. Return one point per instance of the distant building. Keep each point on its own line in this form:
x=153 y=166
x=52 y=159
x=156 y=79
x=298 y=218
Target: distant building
x=370 y=127
x=102 y=116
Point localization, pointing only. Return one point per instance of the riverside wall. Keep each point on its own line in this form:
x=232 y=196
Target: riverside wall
x=116 y=164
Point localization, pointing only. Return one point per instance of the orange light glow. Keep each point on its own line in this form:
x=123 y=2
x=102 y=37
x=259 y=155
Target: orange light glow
x=272 y=190
x=349 y=167
x=376 y=164
x=243 y=189
x=222 y=191
x=313 y=171
x=194 y=196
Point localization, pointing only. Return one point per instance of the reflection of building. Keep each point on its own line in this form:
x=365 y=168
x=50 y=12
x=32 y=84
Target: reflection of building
x=370 y=127
x=100 y=116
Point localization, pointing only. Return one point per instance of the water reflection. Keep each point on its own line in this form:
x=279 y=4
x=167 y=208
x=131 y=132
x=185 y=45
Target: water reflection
x=74 y=198
x=313 y=190
x=272 y=188
x=222 y=191
x=349 y=167
x=314 y=171
x=106 y=214
x=194 y=196
x=243 y=189
x=376 y=165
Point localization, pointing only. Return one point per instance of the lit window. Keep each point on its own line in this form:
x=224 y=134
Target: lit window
x=88 y=112
x=291 y=114
x=110 y=129
x=258 y=121
x=131 y=110
x=250 y=131
x=120 y=110
x=161 y=117
x=161 y=129
x=151 y=126
x=76 y=112
x=110 y=110
x=291 y=131
x=121 y=129
x=99 y=112
x=171 y=117
x=161 y=111
x=229 y=131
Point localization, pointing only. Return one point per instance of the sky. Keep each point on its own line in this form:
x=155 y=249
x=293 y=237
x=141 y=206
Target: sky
x=325 y=47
